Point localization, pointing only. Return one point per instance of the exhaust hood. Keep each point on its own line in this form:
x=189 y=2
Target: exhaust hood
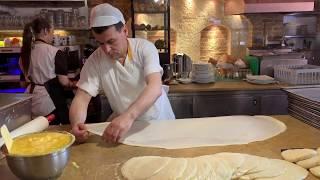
x=43 y=3
x=267 y=6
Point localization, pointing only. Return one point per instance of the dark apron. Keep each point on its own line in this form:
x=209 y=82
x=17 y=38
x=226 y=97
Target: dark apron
x=58 y=97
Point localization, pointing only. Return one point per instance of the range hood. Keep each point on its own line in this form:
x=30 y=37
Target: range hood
x=43 y=3
x=267 y=6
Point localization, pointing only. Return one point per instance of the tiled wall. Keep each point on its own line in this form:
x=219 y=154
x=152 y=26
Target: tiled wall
x=266 y=26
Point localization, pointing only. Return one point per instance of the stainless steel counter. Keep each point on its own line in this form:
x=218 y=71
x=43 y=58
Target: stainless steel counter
x=15 y=109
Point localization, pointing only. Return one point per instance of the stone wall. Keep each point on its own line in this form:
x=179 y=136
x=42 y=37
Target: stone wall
x=214 y=42
x=187 y=19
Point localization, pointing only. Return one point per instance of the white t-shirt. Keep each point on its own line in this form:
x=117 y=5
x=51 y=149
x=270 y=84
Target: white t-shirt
x=122 y=84
x=42 y=69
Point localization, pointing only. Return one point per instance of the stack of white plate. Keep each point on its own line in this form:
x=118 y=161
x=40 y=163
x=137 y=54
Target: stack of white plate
x=202 y=73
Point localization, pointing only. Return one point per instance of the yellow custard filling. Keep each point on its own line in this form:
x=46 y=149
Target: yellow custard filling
x=40 y=143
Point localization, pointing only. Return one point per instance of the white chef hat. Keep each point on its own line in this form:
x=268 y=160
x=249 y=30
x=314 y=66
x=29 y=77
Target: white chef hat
x=105 y=15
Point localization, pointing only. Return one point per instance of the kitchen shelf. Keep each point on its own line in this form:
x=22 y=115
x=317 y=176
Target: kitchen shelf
x=56 y=28
x=153 y=14
x=150 y=12
x=43 y=3
x=151 y=30
x=300 y=36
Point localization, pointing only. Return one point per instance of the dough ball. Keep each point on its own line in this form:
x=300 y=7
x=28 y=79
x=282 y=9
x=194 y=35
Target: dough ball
x=295 y=155
x=315 y=171
x=310 y=163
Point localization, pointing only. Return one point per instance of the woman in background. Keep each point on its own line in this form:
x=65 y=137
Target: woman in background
x=45 y=67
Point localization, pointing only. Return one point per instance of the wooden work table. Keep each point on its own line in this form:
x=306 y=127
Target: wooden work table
x=227 y=98
x=97 y=160
x=222 y=86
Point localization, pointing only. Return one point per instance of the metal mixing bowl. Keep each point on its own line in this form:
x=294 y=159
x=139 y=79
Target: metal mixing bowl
x=49 y=166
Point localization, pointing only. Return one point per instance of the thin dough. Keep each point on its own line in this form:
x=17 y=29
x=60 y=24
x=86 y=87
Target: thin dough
x=252 y=164
x=198 y=132
x=190 y=171
x=204 y=169
x=173 y=170
x=295 y=155
x=270 y=170
x=222 y=166
x=143 y=167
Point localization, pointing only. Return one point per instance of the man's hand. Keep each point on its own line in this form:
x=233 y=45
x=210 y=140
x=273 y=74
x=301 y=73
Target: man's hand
x=118 y=127
x=79 y=130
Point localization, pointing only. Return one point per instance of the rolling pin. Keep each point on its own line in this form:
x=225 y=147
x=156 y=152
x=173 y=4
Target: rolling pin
x=36 y=125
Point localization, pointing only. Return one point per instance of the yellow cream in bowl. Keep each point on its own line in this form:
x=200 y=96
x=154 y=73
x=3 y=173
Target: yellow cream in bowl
x=36 y=144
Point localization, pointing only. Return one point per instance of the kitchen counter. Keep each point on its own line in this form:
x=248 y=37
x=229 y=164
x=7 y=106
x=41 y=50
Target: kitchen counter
x=98 y=160
x=222 y=86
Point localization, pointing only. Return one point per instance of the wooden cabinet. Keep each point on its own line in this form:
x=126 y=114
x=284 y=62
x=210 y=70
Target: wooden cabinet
x=225 y=103
x=182 y=106
x=276 y=103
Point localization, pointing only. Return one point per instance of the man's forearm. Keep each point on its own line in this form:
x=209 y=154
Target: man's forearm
x=78 y=109
x=147 y=98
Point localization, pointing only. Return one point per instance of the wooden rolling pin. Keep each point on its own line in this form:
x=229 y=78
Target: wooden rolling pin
x=36 y=125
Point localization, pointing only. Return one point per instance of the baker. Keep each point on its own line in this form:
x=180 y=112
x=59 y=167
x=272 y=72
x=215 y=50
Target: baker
x=128 y=72
x=45 y=67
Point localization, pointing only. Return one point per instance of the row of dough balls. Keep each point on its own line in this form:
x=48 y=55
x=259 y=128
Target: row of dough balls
x=306 y=158
x=221 y=166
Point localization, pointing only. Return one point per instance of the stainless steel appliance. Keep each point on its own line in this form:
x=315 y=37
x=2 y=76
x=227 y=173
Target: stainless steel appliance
x=73 y=55
x=267 y=63
x=315 y=53
x=182 y=65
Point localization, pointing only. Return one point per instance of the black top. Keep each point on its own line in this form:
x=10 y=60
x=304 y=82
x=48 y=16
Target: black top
x=60 y=62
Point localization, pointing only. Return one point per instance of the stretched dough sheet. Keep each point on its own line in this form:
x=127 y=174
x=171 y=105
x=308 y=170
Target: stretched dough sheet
x=198 y=132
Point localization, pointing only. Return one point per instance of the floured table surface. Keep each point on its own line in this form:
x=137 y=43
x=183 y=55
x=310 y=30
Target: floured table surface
x=198 y=132
x=97 y=160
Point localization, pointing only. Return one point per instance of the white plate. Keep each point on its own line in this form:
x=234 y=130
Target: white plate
x=185 y=80
x=260 y=78
x=206 y=80
x=260 y=82
x=202 y=76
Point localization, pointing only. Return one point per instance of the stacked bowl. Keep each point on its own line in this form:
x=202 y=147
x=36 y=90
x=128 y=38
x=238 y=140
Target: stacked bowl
x=203 y=73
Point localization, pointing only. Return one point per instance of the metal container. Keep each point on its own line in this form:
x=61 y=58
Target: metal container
x=182 y=65
x=49 y=166
x=15 y=110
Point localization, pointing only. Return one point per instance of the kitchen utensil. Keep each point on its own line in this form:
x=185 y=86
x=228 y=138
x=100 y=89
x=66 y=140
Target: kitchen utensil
x=36 y=125
x=6 y=137
x=183 y=65
x=167 y=72
x=49 y=166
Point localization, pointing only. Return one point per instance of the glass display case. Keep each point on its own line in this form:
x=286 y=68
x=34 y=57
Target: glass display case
x=151 y=21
